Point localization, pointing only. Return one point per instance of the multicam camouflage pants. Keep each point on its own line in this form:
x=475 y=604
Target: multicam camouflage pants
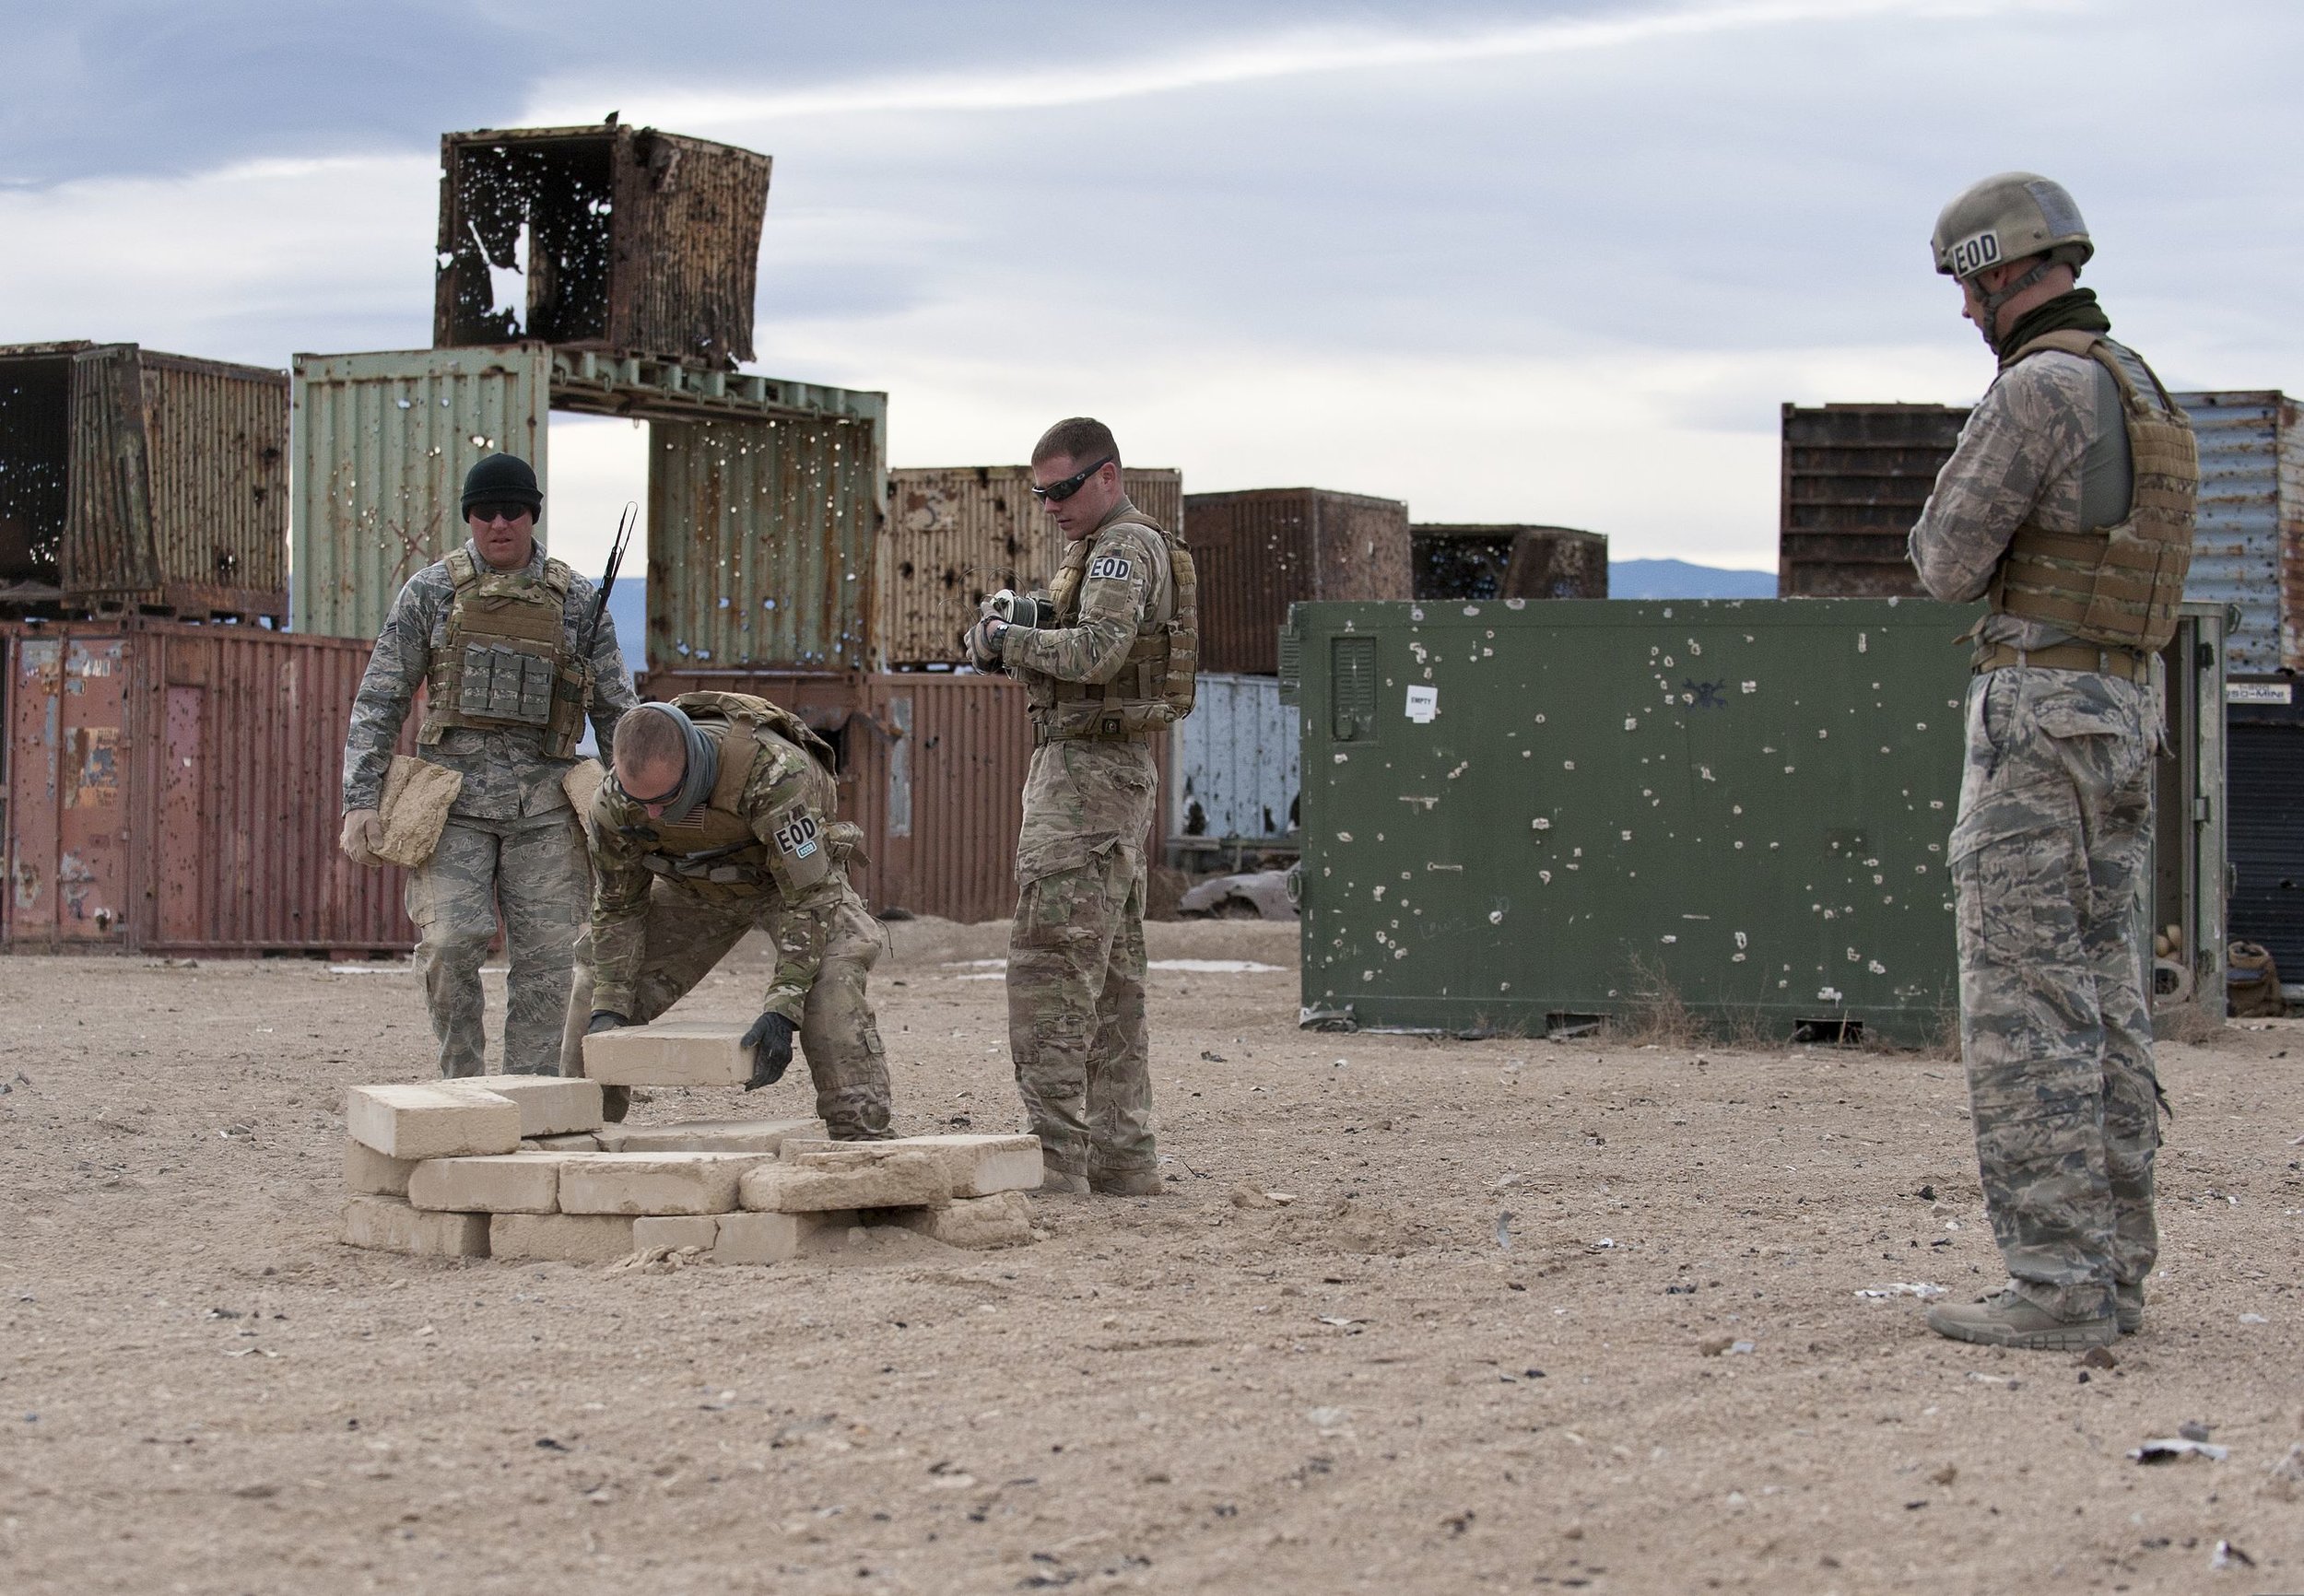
x=687 y=934
x=2049 y=861
x=534 y=875
x=1076 y=1014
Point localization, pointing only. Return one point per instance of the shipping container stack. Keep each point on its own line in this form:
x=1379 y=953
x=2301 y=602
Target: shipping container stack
x=1482 y=562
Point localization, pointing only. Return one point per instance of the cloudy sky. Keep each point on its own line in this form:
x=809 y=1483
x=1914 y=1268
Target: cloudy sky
x=1549 y=262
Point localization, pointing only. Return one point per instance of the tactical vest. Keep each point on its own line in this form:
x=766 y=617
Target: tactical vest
x=506 y=661
x=2116 y=586
x=1158 y=681
x=715 y=851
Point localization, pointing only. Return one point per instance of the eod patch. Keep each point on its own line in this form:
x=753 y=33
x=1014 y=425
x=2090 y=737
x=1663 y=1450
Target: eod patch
x=796 y=836
x=1117 y=567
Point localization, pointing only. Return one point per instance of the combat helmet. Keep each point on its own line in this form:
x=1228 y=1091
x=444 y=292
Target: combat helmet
x=2009 y=217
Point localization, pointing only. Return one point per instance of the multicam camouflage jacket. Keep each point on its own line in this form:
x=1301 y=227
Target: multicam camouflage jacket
x=1126 y=584
x=506 y=774
x=797 y=916
x=2048 y=444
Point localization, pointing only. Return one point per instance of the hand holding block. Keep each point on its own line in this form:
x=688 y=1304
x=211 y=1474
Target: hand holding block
x=670 y=1053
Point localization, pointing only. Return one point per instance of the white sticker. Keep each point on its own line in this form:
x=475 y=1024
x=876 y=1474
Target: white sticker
x=1423 y=705
x=2259 y=693
x=1110 y=564
x=798 y=836
x=1975 y=252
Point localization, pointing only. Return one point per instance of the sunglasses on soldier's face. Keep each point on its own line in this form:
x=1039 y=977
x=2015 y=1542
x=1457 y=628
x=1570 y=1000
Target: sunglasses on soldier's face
x=505 y=512
x=646 y=802
x=1057 y=492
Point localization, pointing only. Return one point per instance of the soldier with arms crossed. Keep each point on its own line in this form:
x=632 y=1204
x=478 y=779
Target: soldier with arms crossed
x=2068 y=506
x=1110 y=665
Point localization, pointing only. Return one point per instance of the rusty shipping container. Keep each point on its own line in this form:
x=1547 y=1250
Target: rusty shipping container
x=932 y=767
x=958 y=533
x=173 y=789
x=1854 y=479
x=623 y=241
x=139 y=482
x=1263 y=549
x=1480 y=562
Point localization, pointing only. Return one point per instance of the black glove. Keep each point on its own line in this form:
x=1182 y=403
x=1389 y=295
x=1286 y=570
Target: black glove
x=770 y=1041
x=605 y=1020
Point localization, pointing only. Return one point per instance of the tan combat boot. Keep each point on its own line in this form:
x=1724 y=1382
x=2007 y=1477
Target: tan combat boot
x=1061 y=1182
x=1126 y=1182
x=2009 y=1317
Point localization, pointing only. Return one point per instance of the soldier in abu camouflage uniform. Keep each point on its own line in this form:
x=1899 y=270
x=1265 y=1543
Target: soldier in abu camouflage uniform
x=495 y=628
x=721 y=818
x=2068 y=505
x=1112 y=664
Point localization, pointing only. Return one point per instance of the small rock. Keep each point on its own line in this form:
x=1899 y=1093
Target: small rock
x=1945 y=1475
x=1715 y=1346
x=2228 y=1555
x=1211 y=1056
x=2100 y=1358
x=2192 y=1430
x=1247 y=1196
x=1327 y=1418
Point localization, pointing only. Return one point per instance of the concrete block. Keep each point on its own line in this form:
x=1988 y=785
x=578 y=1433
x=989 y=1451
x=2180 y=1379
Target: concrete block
x=508 y=1184
x=676 y=1231
x=652 y=1182
x=774 y=1238
x=430 y=1120
x=370 y=1173
x=671 y=1053
x=549 y=1105
x=581 y=1142
x=976 y=1166
x=848 y=1177
x=569 y=1238
x=978 y=1223
x=769 y=1136
x=388 y=1225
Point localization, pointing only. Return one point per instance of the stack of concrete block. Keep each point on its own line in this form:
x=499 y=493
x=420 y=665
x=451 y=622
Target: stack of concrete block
x=522 y=1167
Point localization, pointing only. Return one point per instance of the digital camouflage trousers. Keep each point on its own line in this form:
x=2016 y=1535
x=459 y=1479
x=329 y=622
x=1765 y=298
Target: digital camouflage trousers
x=2049 y=858
x=687 y=934
x=534 y=875
x=1076 y=1014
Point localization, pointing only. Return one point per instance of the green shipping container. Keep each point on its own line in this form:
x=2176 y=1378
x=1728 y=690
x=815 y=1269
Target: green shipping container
x=1525 y=819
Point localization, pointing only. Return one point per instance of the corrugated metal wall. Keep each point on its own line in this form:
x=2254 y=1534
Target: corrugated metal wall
x=763 y=542
x=1238 y=762
x=2249 y=549
x=382 y=445
x=173 y=789
x=958 y=533
x=650 y=242
x=35 y=461
x=1261 y=551
x=1854 y=479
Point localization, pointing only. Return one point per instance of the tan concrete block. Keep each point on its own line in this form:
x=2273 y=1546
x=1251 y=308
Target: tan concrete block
x=652 y=1182
x=774 y=1238
x=549 y=1105
x=569 y=1238
x=848 y=1178
x=671 y=1053
x=581 y=1142
x=676 y=1231
x=506 y=1183
x=1004 y=1219
x=770 y=1136
x=977 y=1166
x=430 y=1120
x=370 y=1173
x=388 y=1225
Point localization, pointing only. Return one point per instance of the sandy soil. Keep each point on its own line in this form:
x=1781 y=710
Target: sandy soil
x=1363 y=1388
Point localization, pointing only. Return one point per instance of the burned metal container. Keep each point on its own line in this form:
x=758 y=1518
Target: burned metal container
x=957 y=534
x=2248 y=550
x=1855 y=478
x=173 y=789
x=617 y=240
x=1236 y=767
x=1263 y=549
x=764 y=496
x=1463 y=561
x=136 y=482
x=1536 y=816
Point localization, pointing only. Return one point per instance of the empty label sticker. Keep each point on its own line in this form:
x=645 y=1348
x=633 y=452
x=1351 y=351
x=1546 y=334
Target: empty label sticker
x=1423 y=704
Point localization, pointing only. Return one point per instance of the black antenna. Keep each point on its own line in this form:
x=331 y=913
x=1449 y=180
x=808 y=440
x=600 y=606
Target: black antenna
x=624 y=525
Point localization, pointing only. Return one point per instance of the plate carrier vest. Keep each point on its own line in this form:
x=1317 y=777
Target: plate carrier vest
x=1158 y=683
x=507 y=661
x=2116 y=586
x=715 y=851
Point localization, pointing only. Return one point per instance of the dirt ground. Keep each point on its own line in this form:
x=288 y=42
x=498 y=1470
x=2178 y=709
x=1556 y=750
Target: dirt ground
x=1537 y=1316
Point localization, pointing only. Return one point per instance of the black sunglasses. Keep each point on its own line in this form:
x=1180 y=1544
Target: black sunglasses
x=501 y=511
x=1057 y=492
x=664 y=798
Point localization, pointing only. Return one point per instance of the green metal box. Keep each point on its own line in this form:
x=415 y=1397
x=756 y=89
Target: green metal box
x=1524 y=818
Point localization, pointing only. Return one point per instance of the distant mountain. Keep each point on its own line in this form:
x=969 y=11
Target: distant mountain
x=1677 y=578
